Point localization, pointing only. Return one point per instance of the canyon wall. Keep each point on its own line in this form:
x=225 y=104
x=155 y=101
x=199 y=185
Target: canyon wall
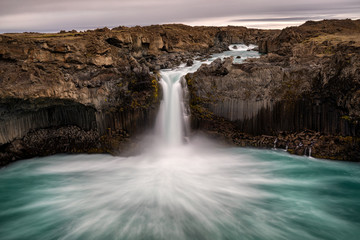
x=93 y=91
x=303 y=94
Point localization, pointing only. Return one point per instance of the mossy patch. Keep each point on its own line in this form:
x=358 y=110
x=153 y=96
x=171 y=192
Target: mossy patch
x=197 y=103
x=155 y=86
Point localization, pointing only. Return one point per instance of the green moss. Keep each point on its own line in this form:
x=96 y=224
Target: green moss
x=155 y=86
x=201 y=112
x=134 y=104
x=291 y=151
x=347 y=139
x=197 y=103
x=328 y=51
x=346 y=117
x=189 y=81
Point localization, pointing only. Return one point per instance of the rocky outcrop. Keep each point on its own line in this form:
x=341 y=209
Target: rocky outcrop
x=92 y=91
x=315 y=31
x=304 y=93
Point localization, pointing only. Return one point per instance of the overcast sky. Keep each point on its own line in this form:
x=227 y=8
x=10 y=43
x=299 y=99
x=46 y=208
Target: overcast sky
x=55 y=15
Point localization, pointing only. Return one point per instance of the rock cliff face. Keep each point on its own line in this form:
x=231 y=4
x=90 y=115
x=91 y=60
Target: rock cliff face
x=93 y=91
x=304 y=93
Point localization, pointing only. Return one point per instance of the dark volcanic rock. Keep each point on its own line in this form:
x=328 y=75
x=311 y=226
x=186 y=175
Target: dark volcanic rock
x=95 y=91
x=189 y=62
x=92 y=91
x=284 y=42
x=306 y=92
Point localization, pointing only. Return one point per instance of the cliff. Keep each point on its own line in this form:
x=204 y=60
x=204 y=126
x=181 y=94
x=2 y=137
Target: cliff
x=304 y=94
x=93 y=91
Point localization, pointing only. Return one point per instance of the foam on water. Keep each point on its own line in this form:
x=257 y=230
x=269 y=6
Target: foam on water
x=241 y=47
x=194 y=191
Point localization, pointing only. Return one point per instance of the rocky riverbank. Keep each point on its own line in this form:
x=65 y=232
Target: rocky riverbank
x=93 y=91
x=303 y=94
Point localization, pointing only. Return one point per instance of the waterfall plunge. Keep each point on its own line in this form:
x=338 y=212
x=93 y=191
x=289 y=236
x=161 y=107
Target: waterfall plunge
x=173 y=119
x=172 y=125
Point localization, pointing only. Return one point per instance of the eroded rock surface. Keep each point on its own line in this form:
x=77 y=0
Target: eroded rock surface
x=93 y=91
x=304 y=93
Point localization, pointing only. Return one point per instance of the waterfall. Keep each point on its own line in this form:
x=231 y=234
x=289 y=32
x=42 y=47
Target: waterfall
x=173 y=119
x=172 y=127
x=276 y=140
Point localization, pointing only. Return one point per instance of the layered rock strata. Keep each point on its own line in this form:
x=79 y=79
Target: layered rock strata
x=304 y=94
x=93 y=91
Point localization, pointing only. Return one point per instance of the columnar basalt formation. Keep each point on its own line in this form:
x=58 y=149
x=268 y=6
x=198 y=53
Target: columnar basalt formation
x=304 y=94
x=93 y=91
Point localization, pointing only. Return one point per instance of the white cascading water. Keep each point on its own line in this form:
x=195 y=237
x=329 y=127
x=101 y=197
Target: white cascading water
x=170 y=125
x=173 y=119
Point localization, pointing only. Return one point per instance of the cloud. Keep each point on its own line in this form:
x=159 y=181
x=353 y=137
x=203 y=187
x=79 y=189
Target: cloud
x=53 y=15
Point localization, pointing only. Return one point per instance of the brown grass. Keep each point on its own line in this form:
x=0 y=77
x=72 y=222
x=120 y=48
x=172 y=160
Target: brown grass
x=45 y=35
x=338 y=38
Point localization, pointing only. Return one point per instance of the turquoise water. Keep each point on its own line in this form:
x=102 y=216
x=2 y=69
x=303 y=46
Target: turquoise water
x=195 y=191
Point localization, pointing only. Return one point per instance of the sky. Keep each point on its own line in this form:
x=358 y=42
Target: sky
x=56 y=15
